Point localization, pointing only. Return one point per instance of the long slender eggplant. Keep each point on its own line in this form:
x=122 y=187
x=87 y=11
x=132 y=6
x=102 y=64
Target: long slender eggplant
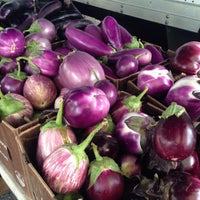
x=86 y=42
x=111 y=32
x=144 y=58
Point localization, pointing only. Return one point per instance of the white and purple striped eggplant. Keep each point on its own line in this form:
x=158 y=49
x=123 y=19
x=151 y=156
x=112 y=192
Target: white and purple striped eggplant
x=66 y=168
x=53 y=134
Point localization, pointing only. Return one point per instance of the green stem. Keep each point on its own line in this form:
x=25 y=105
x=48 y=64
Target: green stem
x=98 y=157
x=60 y=114
x=1 y=95
x=95 y=74
x=89 y=138
x=29 y=62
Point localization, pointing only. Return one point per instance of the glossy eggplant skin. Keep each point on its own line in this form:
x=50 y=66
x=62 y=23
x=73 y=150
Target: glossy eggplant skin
x=187 y=58
x=144 y=56
x=111 y=32
x=84 y=41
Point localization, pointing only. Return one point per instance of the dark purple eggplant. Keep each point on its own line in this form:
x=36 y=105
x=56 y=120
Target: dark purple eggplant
x=84 y=41
x=13 y=6
x=111 y=32
x=7 y=65
x=105 y=183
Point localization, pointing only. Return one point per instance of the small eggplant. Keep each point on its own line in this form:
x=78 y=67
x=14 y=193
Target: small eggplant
x=185 y=92
x=104 y=180
x=131 y=131
x=143 y=60
x=8 y=65
x=84 y=41
x=53 y=134
x=111 y=32
x=65 y=169
x=126 y=65
x=174 y=136
x=14 y=81
x=157 y=78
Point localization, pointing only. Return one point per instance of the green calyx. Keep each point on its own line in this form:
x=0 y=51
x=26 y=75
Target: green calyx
x=135 y=43
x=100 y=164
x=9 y=105
x=134 y=102
x=34 y=28
x=173 y=109
x=58 y=123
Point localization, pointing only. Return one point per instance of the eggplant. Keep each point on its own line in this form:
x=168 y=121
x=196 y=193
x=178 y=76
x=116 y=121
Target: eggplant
x=111 y=32
x=174 y=123
x=94 y=30
x=9 y=8
x=131 y=131
x=144 y=58
x=76 y=106
x=84 y=41
x=157 y=78
x=53 y=134
x=187 y=58
x=65 y=169
x=105 y=183
x=185 y=92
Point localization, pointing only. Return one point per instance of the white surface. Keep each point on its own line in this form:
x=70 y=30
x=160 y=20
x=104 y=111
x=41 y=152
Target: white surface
x=183 y=14
x=17 y=191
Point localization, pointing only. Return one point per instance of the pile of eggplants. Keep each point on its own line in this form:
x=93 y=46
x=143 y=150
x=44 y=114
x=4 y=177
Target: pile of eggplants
x=102 y=144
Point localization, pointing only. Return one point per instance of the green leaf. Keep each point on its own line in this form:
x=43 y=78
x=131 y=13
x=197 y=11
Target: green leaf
x=98 y=166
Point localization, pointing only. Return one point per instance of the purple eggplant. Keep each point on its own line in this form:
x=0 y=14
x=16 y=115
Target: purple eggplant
x=157 y=78
x=109 y=89
x=14 y=81
x=187 y=58
x=126 y=65
x=105 y=183
x=70 y=74
x=94 y=30
x=111 y=32
x=84 y=41
x=12 y=42
x=131 y=131
x=143 y=60
x=185 y=92
x=51 y=66
x=53 y=134
x=11 y=7
x=65 y=169
x=157 y=56
x=85 y=101
x=182 y=143
x=7 y=65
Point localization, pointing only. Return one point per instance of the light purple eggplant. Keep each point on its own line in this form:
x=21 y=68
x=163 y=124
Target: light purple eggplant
x=84 y=41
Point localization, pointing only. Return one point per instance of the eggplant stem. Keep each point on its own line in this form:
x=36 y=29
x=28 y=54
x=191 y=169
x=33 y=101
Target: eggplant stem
x=60 y=114
x=98 y=157
x=95 y=74
x=1 y=95
x=89 y=138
